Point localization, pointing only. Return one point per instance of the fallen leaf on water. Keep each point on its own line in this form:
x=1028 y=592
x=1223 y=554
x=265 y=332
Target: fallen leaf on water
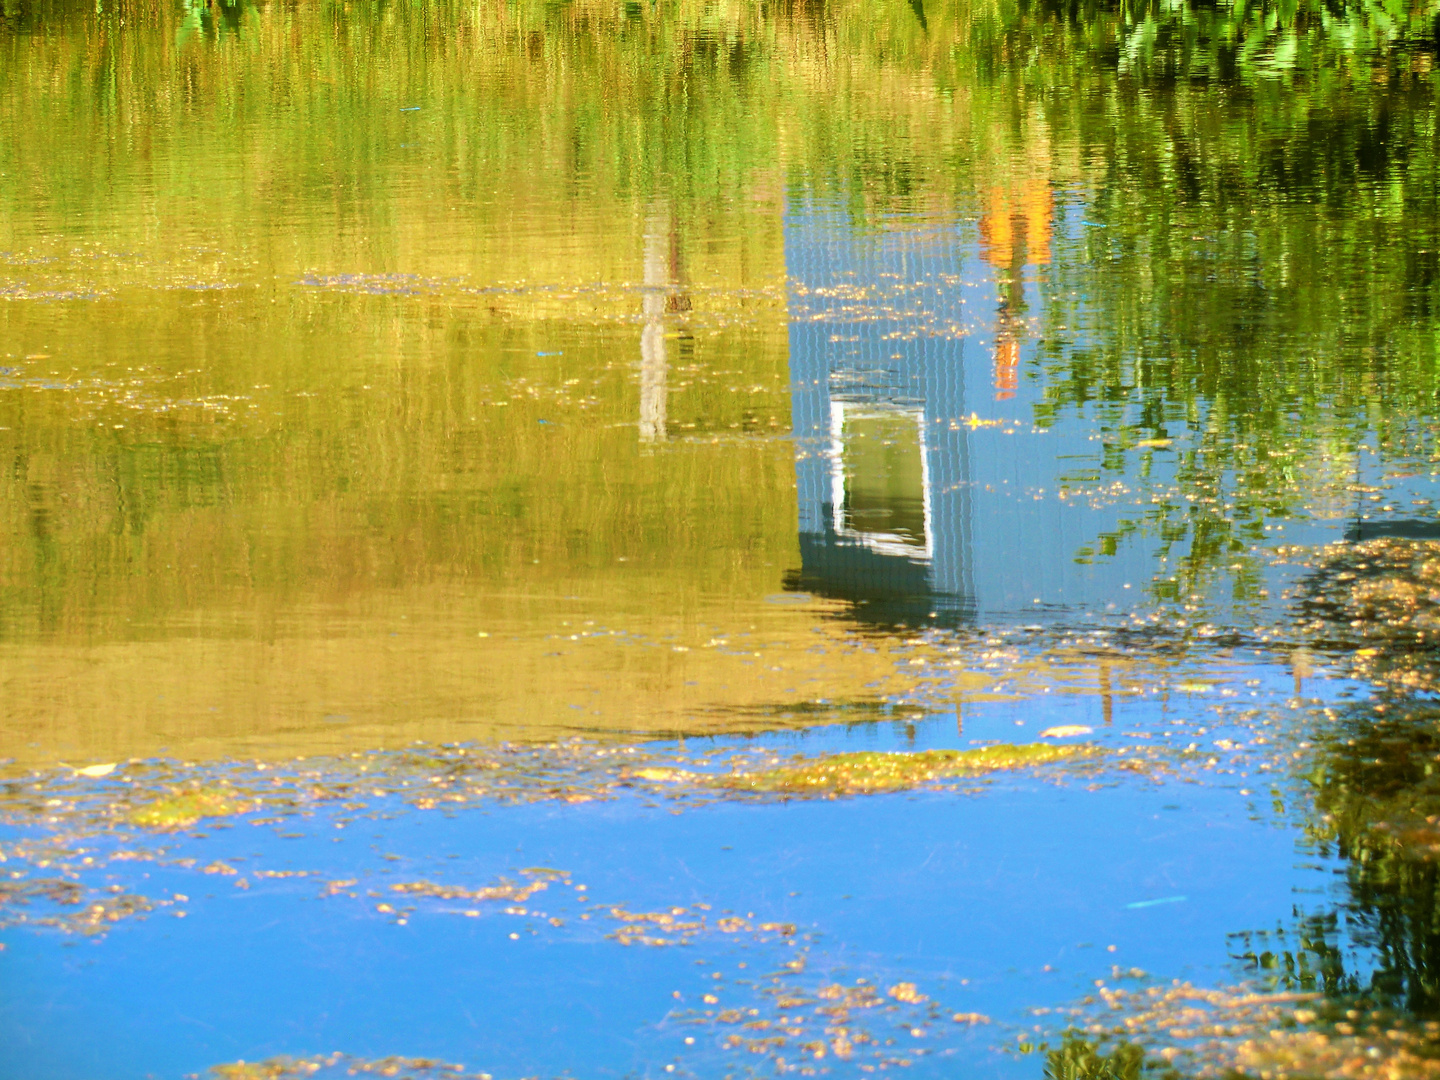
x=907 y=992
x=660 y=775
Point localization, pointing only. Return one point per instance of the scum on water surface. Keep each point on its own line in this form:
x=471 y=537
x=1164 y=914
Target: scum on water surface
x=879 y=771
x=160 y=796
x=1378 y=601
x=481 y=402
x=1164 y=1031
x=74 y=825
x=1180 y=1030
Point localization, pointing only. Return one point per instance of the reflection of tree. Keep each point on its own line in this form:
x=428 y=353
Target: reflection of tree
x=1374 y=779
x=1302 y=959
x=1234 y=309
x=1077 y=1058
x=1377 y=804
x=1255 y=277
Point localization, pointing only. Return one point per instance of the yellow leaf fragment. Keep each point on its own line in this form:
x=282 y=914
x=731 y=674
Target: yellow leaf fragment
x=660 y=775
x=907 y=992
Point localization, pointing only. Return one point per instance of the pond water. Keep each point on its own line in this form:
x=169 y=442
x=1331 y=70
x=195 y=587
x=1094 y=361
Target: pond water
x=719 y=540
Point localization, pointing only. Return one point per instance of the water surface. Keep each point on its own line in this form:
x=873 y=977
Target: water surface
x=459 y=450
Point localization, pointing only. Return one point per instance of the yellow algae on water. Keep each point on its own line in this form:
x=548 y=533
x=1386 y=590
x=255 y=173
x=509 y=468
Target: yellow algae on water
x=337 y=1064
x=1185 y=1030
x=879 y=771
x=907 y=993
x=185 y=807
x=659 y=775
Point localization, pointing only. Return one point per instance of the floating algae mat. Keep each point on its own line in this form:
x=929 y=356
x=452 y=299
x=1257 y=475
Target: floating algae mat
x=1183 y=1030
x=322 y=1066
x=1378 y=601
x=147 y=796
x=719 y=541
x=729 y=929
x=186 y=807
x=872 y=771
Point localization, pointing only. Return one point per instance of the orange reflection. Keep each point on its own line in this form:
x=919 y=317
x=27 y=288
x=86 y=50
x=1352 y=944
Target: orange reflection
x=1015 y=232
x=1007 y=361
x=1015 y=229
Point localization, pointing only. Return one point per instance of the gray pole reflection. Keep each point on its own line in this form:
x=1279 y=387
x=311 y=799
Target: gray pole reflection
x=653 y=363
x=665 y=294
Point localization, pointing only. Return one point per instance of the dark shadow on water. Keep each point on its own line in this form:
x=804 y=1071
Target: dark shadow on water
x=1398 y=528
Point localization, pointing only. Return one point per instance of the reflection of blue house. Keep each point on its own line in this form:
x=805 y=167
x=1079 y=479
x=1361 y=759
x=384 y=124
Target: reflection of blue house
x=905 y=507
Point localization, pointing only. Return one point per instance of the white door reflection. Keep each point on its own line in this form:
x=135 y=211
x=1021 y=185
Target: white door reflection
x=880 y=477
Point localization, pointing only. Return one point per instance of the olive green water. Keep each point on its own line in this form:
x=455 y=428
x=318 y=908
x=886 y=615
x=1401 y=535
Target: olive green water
x=381 y=374
x=324 y=326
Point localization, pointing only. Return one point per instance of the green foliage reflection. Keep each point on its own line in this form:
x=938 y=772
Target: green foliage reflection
x=1376 y=786
x=1077 y=1058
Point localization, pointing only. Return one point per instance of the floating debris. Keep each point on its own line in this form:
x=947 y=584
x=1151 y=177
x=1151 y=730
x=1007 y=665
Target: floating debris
x=1219 y=1033
x=872 y=772
x=65 y=905
x=326 y=1066
x=1378 y=601
x=503 y=891
x=94 y=772
x=906 y=992
x=1154 y=903
x=186 y=807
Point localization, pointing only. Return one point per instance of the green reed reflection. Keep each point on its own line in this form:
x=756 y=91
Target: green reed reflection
x=1079 y=1059
x=315 y=312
